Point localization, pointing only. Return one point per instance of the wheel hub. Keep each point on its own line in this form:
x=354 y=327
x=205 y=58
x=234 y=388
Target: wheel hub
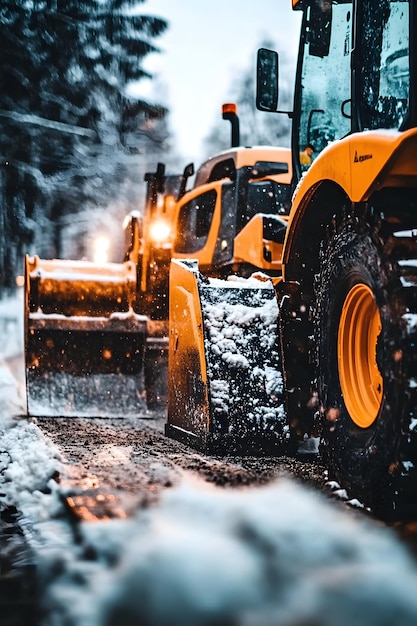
x=360 y=379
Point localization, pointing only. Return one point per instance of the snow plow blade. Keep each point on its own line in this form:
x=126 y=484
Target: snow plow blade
x=84 y=345
x=225 y=388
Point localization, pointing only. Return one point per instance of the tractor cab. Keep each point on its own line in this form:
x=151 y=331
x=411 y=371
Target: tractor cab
x=240 y=200
x=353 y=74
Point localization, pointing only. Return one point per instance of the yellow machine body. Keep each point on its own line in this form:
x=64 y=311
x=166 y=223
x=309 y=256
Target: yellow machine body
x=97 y=335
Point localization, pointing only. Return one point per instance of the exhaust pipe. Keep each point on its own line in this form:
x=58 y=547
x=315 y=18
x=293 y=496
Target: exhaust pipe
x=229 y=111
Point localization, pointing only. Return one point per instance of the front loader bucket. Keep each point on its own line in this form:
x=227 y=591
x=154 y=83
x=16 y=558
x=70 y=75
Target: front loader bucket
x=225 y=389
x=84 y=345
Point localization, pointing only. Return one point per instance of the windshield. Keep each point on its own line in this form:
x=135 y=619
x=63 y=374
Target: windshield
x=325 y=80
x=194 y=222
x=386 y=76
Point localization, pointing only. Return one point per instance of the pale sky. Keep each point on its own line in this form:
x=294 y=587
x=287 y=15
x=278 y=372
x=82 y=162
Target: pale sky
x=206 y=44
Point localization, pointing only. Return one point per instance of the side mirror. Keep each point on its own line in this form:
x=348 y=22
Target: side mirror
x=188 y=171
x=267 y=80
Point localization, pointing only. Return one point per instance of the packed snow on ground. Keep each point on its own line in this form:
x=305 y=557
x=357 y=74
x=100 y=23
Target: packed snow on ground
x=279 y=555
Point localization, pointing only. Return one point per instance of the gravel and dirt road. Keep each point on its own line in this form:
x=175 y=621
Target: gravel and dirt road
x=113 y=466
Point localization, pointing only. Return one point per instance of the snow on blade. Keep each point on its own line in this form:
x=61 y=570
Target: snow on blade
x=244 y=370
x=407 y=262
x=411 y=321
x=114 y=315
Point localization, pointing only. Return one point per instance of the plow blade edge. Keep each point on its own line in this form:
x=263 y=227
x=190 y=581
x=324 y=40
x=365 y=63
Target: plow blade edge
x=84 y=345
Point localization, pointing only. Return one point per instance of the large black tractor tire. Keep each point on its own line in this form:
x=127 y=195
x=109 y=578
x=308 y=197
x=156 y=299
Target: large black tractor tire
x=366 y=365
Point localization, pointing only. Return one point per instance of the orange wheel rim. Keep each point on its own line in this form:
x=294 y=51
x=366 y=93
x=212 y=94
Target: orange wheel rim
x=360 y=379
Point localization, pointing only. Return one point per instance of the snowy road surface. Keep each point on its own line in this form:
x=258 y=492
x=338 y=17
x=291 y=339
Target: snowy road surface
x=205 y=542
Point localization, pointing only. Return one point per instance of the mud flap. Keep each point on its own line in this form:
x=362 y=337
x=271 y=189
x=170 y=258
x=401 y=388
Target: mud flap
x=225 y=389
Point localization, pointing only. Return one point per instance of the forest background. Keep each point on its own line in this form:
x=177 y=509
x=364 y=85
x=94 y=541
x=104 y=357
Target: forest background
x=76 y=139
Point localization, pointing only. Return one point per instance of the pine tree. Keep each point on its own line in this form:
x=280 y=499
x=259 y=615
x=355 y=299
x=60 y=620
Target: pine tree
x=67 y=134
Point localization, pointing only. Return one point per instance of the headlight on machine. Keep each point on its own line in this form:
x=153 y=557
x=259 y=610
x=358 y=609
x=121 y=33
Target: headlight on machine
x=101 y=250
x=160 y=231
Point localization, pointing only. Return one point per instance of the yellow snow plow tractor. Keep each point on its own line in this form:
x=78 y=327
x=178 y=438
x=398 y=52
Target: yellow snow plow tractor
x=97 y=335
x=234 y=219
x=347 y=301
x=79 y=322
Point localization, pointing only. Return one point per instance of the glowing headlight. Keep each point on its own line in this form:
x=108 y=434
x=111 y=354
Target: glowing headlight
x=160 y=231
x=101 y=250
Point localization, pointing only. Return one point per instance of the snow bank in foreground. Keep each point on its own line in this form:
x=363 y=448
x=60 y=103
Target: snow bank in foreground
x=272 y=556
x=28 y=461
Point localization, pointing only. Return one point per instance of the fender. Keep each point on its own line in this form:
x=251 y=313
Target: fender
x=359 y=164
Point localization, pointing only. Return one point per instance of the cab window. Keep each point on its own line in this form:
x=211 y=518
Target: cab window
x=194 y=222
x=385 y=76
x=267 y=197
x=325 y=81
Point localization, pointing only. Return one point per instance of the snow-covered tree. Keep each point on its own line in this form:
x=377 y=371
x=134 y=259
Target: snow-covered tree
x=70 y=136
